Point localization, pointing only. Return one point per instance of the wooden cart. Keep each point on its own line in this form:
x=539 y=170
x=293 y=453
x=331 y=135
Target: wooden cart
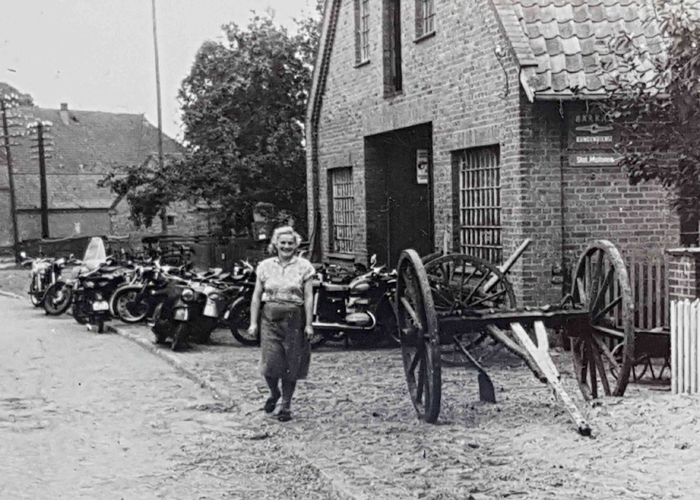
x=463 y=300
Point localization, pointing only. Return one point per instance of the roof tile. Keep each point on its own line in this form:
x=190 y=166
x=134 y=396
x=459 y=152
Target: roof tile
x=569 y=40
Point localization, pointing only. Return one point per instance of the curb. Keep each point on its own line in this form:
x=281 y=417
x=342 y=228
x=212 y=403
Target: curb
x=337 y=484
x=10 y=295
x=177 y=364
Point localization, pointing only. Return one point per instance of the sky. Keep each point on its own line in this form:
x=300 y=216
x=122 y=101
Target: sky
x=98 y=55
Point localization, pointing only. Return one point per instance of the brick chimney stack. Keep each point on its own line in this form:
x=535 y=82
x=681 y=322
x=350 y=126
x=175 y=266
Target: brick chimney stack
x=64 y=113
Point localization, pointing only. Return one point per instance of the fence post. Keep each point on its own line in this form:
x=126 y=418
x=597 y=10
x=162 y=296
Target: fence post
x=674 y=346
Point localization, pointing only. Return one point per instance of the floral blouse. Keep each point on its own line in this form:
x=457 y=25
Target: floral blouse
x=284 y=282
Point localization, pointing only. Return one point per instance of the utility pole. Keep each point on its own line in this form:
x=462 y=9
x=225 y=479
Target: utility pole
x=164 y=225
x=41 y=132
x=4 y=104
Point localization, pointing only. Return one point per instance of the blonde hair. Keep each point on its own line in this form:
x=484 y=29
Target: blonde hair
x=281 y=231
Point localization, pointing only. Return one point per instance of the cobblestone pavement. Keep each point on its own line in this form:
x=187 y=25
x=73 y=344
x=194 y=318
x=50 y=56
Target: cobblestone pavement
x=94 y=416
x=354 y=421
x=355 y=430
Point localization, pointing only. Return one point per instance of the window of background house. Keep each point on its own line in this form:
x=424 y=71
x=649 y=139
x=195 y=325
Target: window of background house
x=392 y=47
x=479 y=177
x=342 y=210
x=361 y=31
x=425 y=17
x=170 y=220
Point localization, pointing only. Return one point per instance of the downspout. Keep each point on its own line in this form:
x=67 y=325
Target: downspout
x=323 y=56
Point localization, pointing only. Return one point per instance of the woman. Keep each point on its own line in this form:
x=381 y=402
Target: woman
x=285 y=288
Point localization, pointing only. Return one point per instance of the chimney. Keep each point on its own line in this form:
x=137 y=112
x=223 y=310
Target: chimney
x=64 y=113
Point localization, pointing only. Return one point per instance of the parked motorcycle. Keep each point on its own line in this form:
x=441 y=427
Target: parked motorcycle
x=92 y=292
x=238 y=313
x=42 y=276
x=59 y=296
x=360 y=311
x=137 y=300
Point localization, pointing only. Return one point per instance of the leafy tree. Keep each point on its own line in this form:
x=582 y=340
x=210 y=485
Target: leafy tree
x=243 y=110
x=656 y=102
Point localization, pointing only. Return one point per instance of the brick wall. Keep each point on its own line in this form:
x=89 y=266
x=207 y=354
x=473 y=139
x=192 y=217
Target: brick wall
x=683 y=273
x=453 y=80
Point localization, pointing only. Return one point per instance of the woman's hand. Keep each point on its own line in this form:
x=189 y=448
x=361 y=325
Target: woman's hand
x=309 y=331
x=253 y=330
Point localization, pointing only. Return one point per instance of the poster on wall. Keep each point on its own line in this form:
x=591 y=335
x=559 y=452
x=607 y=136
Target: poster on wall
x=422 y=161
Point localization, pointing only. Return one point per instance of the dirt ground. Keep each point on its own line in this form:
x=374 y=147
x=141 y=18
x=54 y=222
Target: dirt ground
x=354 y=422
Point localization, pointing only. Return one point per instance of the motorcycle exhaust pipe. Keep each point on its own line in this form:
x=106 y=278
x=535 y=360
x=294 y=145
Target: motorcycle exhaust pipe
x=344 y=326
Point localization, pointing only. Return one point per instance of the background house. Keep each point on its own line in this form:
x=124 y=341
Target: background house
x=474 y=121
x=81 y=148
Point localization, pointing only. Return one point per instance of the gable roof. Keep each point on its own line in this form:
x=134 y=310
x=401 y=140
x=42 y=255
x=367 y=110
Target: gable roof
x=83 y=147
x=569 y=42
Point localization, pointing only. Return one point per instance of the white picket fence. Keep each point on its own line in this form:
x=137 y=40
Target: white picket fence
x=685 y=352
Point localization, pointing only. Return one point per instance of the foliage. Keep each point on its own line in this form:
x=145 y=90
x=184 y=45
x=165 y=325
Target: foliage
x=656 y=101
x=243 y=112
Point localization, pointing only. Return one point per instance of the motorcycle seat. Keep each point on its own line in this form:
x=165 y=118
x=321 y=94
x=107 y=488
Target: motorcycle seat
x=332 y=287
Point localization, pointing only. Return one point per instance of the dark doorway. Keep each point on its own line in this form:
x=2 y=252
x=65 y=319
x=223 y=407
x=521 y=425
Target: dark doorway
x=398 y=168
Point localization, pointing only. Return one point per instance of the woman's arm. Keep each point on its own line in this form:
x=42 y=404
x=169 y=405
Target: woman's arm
x=255 y=307
x=309 y=305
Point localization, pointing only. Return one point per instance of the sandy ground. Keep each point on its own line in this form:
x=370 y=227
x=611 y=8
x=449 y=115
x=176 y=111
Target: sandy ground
x=355 y=423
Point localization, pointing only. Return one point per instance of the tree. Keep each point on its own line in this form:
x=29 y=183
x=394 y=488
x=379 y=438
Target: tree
x=656 y=101
x=243 y=110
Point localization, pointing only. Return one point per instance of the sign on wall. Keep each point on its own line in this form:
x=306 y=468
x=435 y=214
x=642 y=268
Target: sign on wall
x=422 y=164
x=592 y=139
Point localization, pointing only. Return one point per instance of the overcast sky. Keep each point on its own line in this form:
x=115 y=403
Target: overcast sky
x=98 y=55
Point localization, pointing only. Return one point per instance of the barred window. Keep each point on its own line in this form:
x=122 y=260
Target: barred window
x=343 y=210
x=425 y=17
x=480 y=202
x=361 y=31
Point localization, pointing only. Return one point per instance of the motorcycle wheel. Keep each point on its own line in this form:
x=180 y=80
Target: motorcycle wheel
x=160 y=326
x=122 y=300
x=179 y=336
x=239 y=321
x=58 y=299
x=205 y=326
x=34 y=294
x=79 y=315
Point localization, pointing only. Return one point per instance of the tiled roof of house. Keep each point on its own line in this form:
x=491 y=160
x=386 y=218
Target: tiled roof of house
x=567 y=52
x=83 y=146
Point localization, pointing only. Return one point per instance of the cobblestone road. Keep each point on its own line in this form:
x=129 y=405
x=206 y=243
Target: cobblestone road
x=354 y=428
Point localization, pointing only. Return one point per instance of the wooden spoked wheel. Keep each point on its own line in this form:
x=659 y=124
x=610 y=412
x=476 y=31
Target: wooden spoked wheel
x=601 y=286
x=463 y=283
x=418 y=330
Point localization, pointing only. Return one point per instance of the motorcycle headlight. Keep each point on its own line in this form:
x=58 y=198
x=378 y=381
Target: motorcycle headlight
x=214 y=296
x=188 y=295
x=98 y=296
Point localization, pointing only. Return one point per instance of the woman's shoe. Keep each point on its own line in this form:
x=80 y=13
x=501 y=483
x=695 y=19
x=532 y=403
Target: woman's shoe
x=270 y=404
x=284 y=415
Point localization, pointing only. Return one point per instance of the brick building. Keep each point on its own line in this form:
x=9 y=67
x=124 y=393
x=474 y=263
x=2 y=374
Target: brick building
x=473 y=121
x=81 y=148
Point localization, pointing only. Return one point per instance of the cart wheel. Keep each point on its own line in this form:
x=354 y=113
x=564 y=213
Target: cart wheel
x=601 y=286
x=418 y=331
x=460 y=282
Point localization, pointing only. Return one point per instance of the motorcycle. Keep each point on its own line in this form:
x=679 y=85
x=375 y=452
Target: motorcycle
x=59 y=296
x=42 y=276
x=92 y=292
x=237 y=316
x=360 y=311
x=137 y=300
x=190 y=310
